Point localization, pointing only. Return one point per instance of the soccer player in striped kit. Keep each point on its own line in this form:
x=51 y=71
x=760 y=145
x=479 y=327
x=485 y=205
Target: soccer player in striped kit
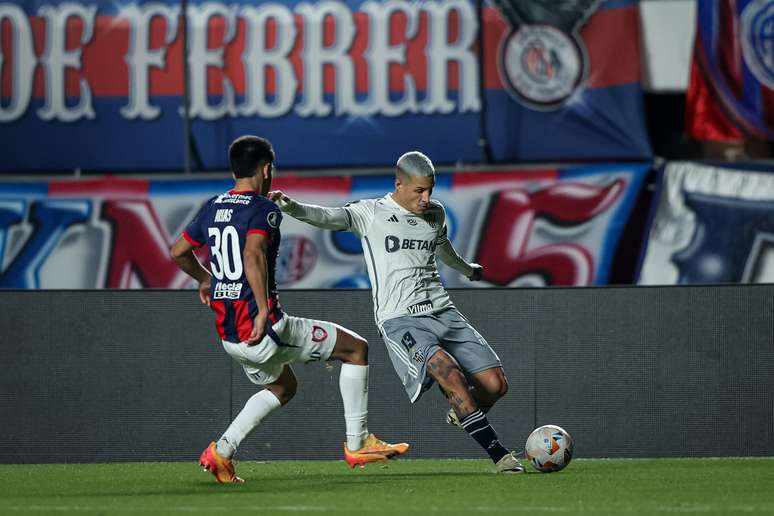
x=241 y=229
x=427 y=339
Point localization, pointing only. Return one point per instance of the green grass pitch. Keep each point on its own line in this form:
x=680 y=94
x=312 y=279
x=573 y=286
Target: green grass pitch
x=414 y=487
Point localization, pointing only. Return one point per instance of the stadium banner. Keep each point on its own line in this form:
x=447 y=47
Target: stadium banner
x=99 y=85
x=731 y=91
x=526 y=227
x=710 y=225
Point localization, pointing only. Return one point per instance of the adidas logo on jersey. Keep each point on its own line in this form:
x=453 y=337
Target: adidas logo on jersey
x=393 y=219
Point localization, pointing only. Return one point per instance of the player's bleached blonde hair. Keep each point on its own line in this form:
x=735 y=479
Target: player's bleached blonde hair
x=414 y=163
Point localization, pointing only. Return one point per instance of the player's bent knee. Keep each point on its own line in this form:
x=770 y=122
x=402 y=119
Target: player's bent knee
x=499 y=385
x=285 y=389
x=491 y=384
x=350 y=348
x=359 y=351
x=283 y=393
x=501 y=388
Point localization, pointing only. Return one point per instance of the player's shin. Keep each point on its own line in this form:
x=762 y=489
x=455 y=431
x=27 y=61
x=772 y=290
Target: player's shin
x=477 y=426
x=257 y=408
x=353 y=383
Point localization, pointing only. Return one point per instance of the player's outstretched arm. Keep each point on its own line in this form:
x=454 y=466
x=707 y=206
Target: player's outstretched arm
x=446 y=252
x=182 y=253
x=320 y=216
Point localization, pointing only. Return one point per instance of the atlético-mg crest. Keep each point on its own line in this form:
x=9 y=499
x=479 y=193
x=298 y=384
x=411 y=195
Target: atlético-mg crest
x=542 y=60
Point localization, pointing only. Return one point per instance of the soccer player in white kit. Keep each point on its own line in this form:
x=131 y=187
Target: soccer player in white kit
x=426 y=337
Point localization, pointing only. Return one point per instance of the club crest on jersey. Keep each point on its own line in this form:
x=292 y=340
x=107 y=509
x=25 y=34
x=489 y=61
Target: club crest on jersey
x=431 y=220
x=419 y=356
x=319 y=334
x=273 y=219
x=227 y=291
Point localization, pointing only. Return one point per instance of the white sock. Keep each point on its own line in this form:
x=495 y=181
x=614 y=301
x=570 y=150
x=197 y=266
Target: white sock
x=255 y=410
x=353 y=384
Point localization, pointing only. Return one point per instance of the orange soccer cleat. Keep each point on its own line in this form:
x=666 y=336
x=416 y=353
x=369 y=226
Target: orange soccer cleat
x=222 y=469
x=373 y=450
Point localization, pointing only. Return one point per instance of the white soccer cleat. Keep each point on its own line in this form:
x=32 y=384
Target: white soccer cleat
x=509 y=464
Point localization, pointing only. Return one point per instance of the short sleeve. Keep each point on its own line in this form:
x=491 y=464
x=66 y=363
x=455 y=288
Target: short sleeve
x=360 y=215
x=194 y=231
x=265 y=221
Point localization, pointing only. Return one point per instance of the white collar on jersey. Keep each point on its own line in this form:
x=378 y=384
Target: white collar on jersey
x=392 y=201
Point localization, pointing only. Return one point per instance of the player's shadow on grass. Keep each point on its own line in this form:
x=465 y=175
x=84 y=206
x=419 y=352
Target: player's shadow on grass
x=306 y=483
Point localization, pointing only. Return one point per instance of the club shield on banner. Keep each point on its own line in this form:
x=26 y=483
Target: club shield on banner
x=99 y=86
x=710 y=225
x=732 y=81
x=537 y=227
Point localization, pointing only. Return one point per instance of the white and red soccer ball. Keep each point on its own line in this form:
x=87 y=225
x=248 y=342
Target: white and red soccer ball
x=549 y=448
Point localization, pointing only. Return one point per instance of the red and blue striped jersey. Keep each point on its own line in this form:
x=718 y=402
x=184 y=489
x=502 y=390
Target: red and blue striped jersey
x=223 y=225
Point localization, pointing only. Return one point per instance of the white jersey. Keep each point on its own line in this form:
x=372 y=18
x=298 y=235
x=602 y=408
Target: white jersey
x=399 y=248
x=400 y=251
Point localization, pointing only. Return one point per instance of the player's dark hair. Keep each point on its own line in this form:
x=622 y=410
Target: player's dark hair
x=247 y=153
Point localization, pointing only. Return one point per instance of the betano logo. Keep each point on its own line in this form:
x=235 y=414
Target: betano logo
x=393 y=244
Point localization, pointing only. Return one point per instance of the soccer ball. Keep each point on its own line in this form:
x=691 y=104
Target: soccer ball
x=549 y=448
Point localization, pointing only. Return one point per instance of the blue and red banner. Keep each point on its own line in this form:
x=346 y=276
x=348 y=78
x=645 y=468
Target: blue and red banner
x=526 y=227
x=99 y=85
x=731 y=92
x=710 y=225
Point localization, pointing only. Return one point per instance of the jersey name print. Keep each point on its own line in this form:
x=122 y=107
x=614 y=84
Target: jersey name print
x=223 y=225
x=399 y=248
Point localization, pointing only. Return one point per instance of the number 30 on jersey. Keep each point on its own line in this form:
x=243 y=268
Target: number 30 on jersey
x=226 y=255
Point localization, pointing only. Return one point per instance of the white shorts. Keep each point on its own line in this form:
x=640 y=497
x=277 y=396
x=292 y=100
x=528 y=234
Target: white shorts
x=300 y=341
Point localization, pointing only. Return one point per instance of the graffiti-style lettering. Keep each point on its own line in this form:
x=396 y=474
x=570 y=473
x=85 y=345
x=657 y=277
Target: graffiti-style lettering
x=504 y=249
x=51 y=218
x=729 y=239
x=140 y=247
x=11 y=212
